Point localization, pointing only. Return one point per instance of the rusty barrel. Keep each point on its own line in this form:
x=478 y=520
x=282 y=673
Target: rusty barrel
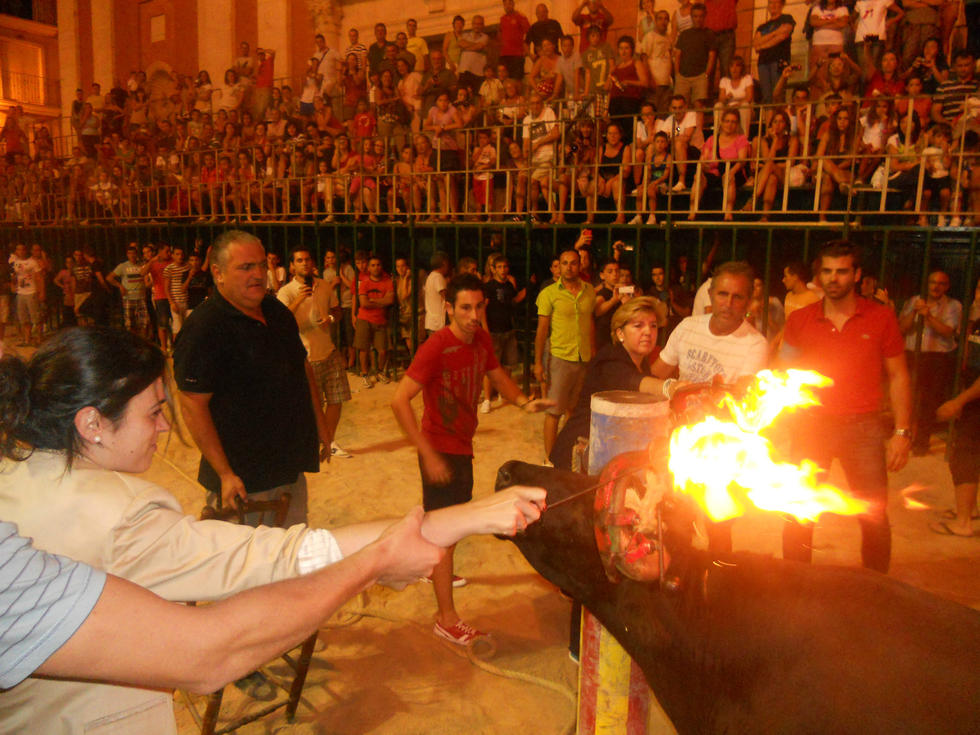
x=613 y=696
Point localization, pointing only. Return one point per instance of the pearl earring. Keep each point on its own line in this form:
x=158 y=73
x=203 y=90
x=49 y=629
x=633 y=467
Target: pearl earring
x=98 y=440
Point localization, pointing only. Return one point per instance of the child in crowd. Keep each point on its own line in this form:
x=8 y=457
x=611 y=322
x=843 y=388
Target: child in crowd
x=936 y=156
x=363 y=125
x=484 y=162
x=491 y=90
x=658 y=162
x=402 y=190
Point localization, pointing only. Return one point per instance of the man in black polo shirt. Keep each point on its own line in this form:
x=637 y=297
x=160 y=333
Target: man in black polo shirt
x=246 y=386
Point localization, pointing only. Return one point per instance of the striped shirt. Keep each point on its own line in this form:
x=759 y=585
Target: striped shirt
x=951 y=95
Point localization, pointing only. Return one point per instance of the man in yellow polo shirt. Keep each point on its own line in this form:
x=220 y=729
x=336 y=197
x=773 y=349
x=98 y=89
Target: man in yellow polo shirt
x=565 y=308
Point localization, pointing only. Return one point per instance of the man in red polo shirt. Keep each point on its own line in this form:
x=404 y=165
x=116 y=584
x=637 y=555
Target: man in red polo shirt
x=513 y=28
x=850 y=339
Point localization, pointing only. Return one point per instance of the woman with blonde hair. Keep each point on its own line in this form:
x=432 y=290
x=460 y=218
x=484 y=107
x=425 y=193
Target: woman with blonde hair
x=622 y=365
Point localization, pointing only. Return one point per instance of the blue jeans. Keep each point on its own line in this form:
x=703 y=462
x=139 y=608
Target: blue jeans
x=769 y=74
x=858 y=441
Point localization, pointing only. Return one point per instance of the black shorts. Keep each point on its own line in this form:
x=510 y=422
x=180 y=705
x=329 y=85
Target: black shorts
x=964 y=460
x=161 y=307
x=458 y=490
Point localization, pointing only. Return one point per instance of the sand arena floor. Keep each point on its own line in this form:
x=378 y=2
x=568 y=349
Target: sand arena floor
x=382 y=671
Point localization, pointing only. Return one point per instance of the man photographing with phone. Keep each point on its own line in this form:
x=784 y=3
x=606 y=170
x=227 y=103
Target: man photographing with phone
x=310 y=300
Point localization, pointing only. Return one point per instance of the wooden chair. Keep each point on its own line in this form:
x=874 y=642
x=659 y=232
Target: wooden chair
x=208 y=722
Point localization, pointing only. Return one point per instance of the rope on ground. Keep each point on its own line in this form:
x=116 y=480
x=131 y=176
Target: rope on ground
x=468 y=652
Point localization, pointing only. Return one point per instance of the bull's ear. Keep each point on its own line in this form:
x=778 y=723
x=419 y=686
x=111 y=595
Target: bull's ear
x=505 y=476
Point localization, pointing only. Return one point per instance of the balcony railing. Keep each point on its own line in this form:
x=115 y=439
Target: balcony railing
x=29 y=89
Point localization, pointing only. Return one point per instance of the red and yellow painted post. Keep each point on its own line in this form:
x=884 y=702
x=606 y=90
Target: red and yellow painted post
x=613 y=695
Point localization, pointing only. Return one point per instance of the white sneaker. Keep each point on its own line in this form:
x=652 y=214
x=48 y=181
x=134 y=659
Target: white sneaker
x=485 y=407
x=956 y=221
x=652 y=219
x=366 y=382
x=637 y=220
x=679 y=186
x=941 y=221
x=336 y=451
x=383 y=378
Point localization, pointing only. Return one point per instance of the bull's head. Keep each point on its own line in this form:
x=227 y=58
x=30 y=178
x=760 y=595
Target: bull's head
x=628 y=525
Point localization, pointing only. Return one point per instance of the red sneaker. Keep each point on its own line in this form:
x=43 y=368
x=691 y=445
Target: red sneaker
x=461 y=633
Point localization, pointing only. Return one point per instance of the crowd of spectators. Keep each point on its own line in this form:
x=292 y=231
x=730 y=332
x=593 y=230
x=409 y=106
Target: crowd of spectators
x=529 y=120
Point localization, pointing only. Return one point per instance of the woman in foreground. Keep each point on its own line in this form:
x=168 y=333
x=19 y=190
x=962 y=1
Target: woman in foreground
x=77 y=423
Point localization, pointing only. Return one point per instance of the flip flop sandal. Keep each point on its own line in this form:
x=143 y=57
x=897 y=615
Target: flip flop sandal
x=950 y=515
x=943 y=529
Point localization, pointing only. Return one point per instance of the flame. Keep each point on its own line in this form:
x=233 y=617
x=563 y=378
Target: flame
x=911 y=503
x=728 y=466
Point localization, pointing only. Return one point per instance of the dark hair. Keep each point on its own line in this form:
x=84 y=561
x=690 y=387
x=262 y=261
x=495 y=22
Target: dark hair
x=607 y=262
x=439 y=259
x=841 y=249
x=79 y=367
x=799 y=269
x=299 y=249
x=462 y=282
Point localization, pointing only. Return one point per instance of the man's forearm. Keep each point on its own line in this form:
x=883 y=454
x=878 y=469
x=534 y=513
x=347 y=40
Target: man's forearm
x=900 y=393
x=203 y=648
x=197 y=416
x=405 y=417
x=540 y=336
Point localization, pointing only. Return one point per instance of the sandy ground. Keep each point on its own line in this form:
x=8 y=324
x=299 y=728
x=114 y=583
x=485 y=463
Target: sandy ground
x=382 y=671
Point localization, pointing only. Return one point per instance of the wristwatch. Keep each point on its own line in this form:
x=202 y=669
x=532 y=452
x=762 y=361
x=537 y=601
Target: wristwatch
x=904 y=432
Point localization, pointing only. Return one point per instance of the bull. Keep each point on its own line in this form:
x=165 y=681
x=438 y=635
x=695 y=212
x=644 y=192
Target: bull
x=750 y=644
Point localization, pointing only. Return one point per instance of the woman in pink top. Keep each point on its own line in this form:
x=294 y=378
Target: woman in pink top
x=722 y=164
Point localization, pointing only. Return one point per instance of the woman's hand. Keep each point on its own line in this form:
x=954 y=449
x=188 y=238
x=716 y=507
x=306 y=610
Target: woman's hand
x=508 y=512
x=407 y=554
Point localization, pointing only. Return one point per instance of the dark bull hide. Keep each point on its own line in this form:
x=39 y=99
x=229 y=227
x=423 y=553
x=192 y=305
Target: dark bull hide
x=761 y=645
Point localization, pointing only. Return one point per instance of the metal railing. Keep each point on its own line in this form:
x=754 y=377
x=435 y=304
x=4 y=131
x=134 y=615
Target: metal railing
x=29 y=89
x=283 y=180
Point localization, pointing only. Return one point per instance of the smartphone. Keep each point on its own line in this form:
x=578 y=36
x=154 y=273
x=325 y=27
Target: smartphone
x=627 y=290
x=308 y=280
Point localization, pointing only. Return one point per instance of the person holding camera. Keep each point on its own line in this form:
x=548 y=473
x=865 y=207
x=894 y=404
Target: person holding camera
x=871 y=31
x=311 y=299
x=772 y=42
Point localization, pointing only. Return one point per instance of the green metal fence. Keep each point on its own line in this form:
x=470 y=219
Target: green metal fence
x=900 y=257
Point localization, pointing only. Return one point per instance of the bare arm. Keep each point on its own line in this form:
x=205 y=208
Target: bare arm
x=900 y=392
x=203 y=648
x=507 y=388
x=662 y=369
x=433 y=464
x=540 y=338
x=197 y=415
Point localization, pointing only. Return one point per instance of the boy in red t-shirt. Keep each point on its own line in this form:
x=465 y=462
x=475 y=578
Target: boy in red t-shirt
x=363 y=124
x=448 y=370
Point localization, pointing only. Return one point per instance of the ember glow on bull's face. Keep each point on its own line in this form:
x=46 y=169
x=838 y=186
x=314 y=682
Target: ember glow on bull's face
x=727 y=464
